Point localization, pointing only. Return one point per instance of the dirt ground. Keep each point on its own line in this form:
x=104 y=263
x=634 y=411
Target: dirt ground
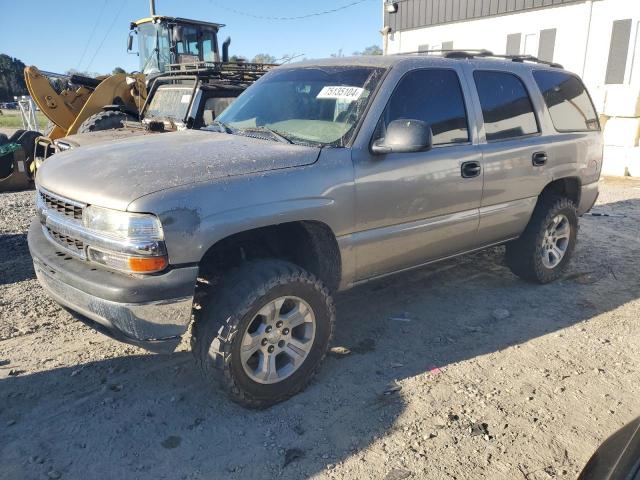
x=485 y=376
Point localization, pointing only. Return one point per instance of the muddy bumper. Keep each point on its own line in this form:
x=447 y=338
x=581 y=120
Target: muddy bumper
x=151 y=311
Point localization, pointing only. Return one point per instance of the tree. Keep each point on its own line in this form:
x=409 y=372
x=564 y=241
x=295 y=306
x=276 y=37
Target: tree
x=118 y=70
x=370 y=50
x=338 y=54
x=11 y=78
x=264 y=58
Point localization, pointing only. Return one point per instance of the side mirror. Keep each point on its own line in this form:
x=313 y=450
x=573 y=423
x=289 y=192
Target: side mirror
x=129 y=42
x=404 y=136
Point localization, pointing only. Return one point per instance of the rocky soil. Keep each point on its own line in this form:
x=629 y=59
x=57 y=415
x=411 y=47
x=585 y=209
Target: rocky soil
x=459 y=370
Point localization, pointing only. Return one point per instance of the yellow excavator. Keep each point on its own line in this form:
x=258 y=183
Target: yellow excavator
x=91 y=104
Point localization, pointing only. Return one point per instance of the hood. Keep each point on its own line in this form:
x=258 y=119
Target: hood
x=92 y=138
x=113 y=174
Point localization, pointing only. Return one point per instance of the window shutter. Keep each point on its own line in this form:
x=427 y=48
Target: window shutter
x=547 y=44
x=618 y=50
x=513 y=43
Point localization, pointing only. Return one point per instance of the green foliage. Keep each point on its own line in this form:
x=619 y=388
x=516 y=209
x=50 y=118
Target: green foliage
x=370 y=50
x=264 y=58
x=11 y=78
x=118 y=70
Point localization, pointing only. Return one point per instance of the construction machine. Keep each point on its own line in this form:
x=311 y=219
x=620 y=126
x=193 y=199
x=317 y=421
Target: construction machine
x=187 y=96
x=162 y=41
x=88 y=104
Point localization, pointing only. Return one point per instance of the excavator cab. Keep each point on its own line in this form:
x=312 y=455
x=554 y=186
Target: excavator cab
x=163 y=41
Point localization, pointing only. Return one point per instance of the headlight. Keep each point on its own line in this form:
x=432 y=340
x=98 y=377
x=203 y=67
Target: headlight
x=136 y=240
x=122 y=224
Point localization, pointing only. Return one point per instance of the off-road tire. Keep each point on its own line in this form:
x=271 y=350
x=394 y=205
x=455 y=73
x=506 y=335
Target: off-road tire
x=224 y=316
x=106 y=120
x=524 y=255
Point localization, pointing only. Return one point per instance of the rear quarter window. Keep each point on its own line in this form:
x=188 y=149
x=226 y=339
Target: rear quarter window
x=567 y=100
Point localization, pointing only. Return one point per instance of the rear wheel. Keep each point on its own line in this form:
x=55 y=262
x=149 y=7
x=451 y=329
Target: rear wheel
x=542 y=252
x=265 y=332
x=106 y=120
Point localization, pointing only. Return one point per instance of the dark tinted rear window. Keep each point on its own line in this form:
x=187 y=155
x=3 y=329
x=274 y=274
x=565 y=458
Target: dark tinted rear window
x=506 y=106
x=567 y=100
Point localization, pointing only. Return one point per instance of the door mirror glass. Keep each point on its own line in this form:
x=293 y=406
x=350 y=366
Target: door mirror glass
x=403 y=136
x=130 y=42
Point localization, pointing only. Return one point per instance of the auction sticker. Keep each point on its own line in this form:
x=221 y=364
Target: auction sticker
x=340 y=93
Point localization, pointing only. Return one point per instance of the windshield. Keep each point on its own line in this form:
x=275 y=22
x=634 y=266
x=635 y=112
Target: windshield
x=153 y=47
x=319 y=105
x=169 y=102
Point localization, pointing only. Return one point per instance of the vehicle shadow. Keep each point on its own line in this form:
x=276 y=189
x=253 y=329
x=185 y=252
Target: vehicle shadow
x=15 y=261
x=145 y=416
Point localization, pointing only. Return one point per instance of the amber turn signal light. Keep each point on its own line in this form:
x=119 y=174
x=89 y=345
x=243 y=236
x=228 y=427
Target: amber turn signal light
x=147 y=264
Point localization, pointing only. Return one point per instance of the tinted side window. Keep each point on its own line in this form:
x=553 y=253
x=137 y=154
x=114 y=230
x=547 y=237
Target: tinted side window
x=435 y=97
x=567 y=100
x=506 y=106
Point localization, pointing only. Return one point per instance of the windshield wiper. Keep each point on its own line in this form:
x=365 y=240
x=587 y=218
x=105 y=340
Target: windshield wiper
x=276 y=135
x=222 y=127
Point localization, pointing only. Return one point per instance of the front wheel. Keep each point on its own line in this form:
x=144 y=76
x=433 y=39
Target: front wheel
x=542 y=252
x=265 y=331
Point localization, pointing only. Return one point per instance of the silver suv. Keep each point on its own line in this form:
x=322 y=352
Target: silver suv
x=320 y=176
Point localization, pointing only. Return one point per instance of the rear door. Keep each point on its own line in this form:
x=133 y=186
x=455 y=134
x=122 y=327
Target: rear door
x=513 y=151
x=412 y=208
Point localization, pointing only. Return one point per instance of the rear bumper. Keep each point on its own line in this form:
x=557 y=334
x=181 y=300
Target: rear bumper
x=151 y=311
x=588 y=196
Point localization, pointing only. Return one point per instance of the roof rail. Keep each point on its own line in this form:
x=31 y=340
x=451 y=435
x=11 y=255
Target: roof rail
x=482 y=53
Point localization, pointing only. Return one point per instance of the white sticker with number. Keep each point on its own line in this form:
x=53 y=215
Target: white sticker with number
x=341 y=93
x=185 y=99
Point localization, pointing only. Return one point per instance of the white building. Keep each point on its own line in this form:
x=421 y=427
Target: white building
x=597 y=39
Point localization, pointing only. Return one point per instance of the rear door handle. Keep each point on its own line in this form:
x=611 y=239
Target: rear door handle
x=470 y=169
x=539 y=159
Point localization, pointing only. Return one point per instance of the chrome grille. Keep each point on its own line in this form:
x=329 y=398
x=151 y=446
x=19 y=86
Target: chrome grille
x=68 y=243
x=61 y=205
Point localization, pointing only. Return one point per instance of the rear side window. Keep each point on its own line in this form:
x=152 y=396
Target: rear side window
x=435 y=97
x=567 y=100
x=506 y=105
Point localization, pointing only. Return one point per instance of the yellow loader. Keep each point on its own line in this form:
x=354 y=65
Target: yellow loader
x=92 y=104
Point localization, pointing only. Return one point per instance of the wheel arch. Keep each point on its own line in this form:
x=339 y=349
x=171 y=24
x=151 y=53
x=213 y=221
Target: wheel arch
x=311 y=244
x=568 y=187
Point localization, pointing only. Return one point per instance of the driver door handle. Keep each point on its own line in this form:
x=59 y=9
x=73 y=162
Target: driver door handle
x=470 y=169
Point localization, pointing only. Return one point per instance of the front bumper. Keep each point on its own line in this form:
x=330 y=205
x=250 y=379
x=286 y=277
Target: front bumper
x=151 y=311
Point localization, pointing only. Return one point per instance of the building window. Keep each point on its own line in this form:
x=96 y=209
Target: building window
x=434 y=96
x=423 y=48
x=506 y=106
x=618 y=50
x=547 y=44
x=568 y=102
x=447 y=45
x=513 y=43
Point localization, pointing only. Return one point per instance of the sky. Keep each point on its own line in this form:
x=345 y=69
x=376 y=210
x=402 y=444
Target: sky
x=91 y=35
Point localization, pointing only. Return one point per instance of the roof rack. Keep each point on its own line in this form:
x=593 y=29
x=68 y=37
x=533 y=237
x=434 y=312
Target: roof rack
x=482 y=53
x=224 y=72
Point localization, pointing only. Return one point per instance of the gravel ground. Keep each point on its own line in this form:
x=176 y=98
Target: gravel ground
x=459 y=370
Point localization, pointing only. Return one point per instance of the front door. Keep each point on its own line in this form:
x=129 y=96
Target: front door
x=412 y=208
